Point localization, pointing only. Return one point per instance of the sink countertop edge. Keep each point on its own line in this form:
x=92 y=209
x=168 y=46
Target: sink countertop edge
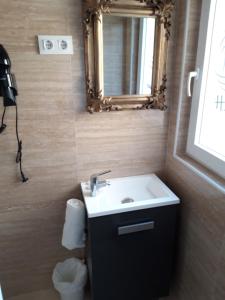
x=171 y=199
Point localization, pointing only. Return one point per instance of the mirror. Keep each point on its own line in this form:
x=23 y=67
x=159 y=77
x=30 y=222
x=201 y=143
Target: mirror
x=125 y=53
x=128 y=48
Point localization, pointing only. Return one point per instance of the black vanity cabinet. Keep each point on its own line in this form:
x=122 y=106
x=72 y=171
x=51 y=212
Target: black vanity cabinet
x=130 y=254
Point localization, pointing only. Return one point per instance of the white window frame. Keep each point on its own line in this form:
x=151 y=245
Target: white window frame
x=1 y=296
x=195 y=151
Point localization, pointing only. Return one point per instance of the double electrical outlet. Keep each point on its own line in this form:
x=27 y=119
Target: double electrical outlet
x=55 y=44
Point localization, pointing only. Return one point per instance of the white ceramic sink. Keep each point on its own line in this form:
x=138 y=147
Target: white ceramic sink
x=128 y=194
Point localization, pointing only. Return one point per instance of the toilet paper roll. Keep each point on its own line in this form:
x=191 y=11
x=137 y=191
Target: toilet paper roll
x=73 y=230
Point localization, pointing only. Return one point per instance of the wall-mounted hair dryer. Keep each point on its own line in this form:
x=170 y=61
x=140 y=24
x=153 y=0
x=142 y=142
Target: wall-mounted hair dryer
x=8 y=88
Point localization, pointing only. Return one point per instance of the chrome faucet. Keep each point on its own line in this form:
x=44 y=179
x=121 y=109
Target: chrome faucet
x=96 y=184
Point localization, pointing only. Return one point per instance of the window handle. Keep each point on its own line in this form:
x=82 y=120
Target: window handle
x=191 y=75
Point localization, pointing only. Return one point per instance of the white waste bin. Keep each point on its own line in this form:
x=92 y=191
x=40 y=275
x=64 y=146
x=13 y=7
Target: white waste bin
x=69 y=278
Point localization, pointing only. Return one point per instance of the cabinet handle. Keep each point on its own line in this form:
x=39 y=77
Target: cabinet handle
x=135 y=228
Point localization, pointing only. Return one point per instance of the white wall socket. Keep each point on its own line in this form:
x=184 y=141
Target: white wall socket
x=55 y=44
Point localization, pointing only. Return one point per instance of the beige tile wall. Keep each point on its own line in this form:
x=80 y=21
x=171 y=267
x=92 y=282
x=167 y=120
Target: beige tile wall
x=200 y=271
x=62 y=143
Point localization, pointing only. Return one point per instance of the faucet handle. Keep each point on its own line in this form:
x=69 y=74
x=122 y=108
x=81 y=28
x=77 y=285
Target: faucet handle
x=100 y=173
x=103 y=172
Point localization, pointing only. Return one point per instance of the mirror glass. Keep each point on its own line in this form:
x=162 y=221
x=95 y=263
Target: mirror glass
x=128 y=47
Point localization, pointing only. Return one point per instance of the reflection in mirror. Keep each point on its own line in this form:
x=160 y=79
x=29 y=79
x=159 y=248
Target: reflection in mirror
x=128 y=47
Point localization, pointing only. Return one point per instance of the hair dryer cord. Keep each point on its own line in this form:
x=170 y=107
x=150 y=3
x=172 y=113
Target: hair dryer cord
x=19 y=151
x=3 y=126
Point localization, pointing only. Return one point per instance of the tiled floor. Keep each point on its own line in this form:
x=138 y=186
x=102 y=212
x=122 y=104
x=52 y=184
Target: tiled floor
x=41 y=295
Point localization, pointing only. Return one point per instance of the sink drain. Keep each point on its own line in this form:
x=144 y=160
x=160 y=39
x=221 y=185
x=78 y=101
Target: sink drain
x=127 y=200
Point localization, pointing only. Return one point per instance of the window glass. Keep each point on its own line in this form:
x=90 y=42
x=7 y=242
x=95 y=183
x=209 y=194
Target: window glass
x=210 y=133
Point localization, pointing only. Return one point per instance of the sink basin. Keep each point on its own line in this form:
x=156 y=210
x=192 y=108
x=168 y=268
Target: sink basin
x=128 y=194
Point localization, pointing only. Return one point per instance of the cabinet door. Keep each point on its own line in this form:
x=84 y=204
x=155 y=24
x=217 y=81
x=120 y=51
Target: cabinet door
x=131 y=254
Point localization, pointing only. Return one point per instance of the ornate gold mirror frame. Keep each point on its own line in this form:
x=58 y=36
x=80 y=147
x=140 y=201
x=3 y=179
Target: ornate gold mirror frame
x=93 y=35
